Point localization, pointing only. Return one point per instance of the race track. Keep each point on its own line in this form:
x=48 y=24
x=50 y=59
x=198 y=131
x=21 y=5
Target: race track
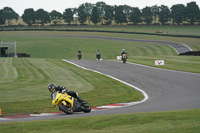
x=166 y=89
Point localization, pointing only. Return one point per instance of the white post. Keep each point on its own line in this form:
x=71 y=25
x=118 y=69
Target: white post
x=15 y=50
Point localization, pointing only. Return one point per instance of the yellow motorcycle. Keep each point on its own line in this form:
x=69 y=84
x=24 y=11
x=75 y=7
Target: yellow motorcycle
x=69 y=104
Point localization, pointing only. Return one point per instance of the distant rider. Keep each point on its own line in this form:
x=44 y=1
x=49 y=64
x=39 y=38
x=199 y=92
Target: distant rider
x=79 y=51
x=79 y=54
x=98 y=54
x=61 y=89
x=123 y=52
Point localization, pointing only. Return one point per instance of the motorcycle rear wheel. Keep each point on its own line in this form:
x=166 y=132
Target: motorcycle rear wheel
x=66 y=108
x=124 y=60
x=86 y=107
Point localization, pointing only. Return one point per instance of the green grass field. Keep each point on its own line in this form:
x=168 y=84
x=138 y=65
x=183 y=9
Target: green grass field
x=24 y=81
x=142 y=53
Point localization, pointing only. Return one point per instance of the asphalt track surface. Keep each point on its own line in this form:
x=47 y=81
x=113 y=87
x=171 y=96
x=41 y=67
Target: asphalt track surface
x=166 y=89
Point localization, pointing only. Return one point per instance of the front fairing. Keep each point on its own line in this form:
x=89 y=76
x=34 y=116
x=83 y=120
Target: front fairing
x=59 y=97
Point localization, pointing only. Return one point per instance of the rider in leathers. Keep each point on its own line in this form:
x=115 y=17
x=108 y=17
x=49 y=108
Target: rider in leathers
x=61 y=89
x=123 y=52
x=98 y=53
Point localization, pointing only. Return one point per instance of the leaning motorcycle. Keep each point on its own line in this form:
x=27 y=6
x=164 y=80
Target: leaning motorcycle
x=69 y=104
x=124 y=58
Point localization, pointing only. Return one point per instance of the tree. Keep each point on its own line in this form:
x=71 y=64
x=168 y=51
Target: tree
x=42 y=16
x=9 y=14
x=55 y=17
x=95 y=15
x=29 y=16
x=192 y=12
x=147 y=14
x=109 y=14
x=178 y=13
x=101 y=10
x=68 y=15
x=120 y=16
x=88 y=10
x=2 y=20
x=75 y=13
x=127 y=11
x=135 y=15
x=164 y=14
x=82 y=16
x=155 y=11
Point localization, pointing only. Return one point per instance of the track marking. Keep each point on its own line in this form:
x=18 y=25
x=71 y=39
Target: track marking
x=134 y=87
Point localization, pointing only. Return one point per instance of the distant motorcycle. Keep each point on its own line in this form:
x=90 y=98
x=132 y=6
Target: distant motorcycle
x=79 y=56
x=124 y=58
x=69 y=104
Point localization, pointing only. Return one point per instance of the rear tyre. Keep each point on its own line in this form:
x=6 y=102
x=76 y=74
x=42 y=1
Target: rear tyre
x=65 y=108
x=86 y=107
x=79 y=57
x=124 y=60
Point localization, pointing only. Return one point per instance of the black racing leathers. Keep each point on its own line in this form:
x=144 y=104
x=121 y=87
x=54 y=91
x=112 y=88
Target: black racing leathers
x=62 y=89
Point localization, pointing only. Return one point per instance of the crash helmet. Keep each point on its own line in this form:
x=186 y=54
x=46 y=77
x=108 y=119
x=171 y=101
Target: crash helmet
x=52 y=87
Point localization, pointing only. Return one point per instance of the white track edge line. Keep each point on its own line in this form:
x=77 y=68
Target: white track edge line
x=134 y=87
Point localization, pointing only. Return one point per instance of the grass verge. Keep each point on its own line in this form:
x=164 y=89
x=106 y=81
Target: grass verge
x=156 y=122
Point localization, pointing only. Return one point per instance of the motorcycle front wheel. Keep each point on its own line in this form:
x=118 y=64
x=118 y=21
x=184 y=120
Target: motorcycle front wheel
x=65 y=108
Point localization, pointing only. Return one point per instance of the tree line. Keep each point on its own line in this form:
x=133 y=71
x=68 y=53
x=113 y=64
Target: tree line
x=103 y=14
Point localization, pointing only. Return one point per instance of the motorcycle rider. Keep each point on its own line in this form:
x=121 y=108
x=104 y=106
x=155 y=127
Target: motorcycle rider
x=79 y=54
x=61 y=89
x=98 y=53
x=124 y=52
x=79 y=51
